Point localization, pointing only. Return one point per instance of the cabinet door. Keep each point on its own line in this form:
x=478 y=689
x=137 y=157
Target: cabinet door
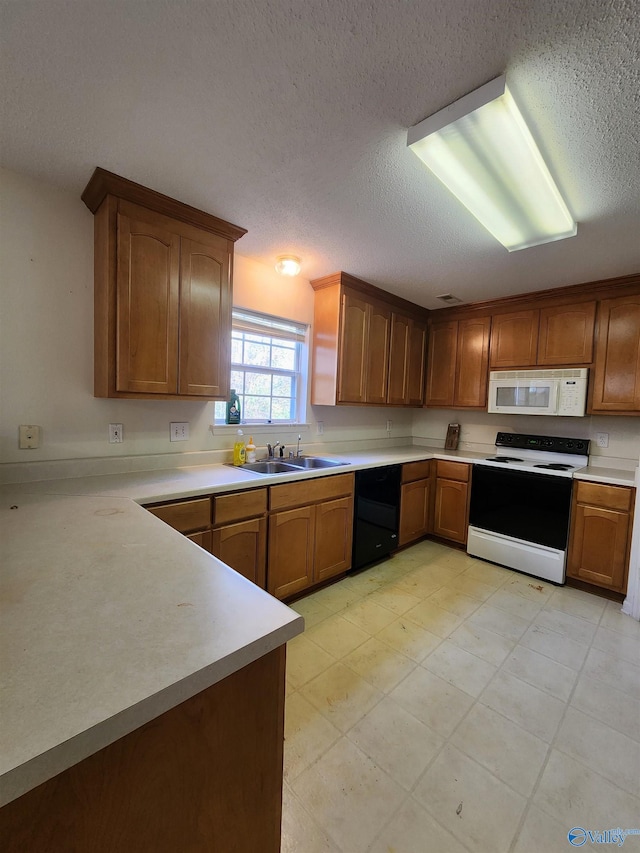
x=353 y=349
x=205 y=318
x=333 y=538
x=203 y=539
x=414 y=510
x=147 y=289
x=243 y=546
x=415 y=366
x=514 y=339
x=441 y=364
x=450 y=520
x=598 y=551
x=398 y=360
x=378 y=330
x=472 y=363
x=566 y=334
x=616 y=384
x=290 y=560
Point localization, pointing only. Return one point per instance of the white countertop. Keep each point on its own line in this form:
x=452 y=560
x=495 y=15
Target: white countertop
x=110 y=617
x=612 y=476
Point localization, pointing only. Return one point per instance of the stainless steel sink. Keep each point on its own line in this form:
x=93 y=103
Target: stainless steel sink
x=269 y=466
x=279 y=466
x=314 y=462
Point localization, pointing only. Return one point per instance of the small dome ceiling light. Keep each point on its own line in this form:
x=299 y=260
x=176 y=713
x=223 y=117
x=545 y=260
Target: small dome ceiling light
x=288 y=265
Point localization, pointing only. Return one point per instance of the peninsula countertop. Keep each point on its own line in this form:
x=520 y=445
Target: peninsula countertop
x=110 y=618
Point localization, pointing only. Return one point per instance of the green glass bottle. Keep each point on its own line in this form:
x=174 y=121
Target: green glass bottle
x=233 y=408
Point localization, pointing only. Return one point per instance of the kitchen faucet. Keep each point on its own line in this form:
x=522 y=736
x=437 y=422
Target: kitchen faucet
x=291 y=456
x=272 y=450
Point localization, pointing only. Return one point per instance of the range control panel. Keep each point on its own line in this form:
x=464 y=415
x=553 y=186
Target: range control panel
x=550 y=443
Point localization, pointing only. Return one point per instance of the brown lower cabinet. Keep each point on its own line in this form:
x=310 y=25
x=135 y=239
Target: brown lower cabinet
x=416 y=501
x=239 y=534
x=600 y=539
x=451 y=510
x=205 y=775
x=310 y=533
x=232 y=527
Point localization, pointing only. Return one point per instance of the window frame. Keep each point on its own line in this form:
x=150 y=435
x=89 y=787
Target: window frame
x=248 y=322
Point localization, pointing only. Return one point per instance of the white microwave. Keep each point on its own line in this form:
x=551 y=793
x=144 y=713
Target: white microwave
x=539 y=392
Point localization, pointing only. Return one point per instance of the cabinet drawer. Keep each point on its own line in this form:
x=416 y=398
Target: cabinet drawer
x=185 y=516
x=453 y=470
x=239 y=505
x=416 y=471
x=600 y=494
x=310 y=491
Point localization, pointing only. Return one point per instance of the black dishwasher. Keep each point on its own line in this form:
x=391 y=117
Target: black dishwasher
x=376 y=514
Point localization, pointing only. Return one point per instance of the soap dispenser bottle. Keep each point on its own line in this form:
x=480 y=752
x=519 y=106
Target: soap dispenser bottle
x=251 y=450
x=239 y=450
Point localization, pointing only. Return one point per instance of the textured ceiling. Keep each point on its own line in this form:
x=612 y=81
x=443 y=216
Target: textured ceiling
x=290 y=119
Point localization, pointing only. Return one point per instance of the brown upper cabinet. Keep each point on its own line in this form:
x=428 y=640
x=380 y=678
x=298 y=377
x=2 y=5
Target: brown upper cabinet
x=364 y=346
x=514 y=339
x=163 y=294
x=457 y=363
x=550 y=336
x=565 y=334
x=368 y=346
x=616 y=381
x=406 y=361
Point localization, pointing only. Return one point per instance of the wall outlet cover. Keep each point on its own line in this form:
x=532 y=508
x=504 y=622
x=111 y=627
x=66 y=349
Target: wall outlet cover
x=179 y=431
x=115 y=434
x=28 y=436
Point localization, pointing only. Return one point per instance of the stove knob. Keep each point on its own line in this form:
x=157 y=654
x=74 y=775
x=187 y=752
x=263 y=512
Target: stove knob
x=580 y=445
x=569 y=444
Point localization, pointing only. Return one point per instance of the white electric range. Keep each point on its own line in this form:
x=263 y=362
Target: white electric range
x=521 y=503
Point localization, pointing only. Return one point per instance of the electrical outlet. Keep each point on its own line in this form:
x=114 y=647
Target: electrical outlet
x=388 y=426
x=28 y=436
x=602 y=439
x=115 y=433
x=179 y=431
x=320 y=428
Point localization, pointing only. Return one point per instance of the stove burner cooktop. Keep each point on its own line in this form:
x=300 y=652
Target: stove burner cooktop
x=555 y=466
x=503 y=459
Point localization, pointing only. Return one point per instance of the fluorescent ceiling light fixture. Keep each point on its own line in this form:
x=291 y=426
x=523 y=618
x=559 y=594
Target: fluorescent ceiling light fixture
x=483 y=152
x=288 y=265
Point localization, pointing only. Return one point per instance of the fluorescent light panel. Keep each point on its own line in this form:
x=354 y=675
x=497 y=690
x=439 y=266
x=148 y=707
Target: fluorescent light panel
x=483 y=152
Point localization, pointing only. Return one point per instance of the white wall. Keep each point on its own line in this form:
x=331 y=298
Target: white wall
x=478 y=432
x=46 y=348
x=46 y=363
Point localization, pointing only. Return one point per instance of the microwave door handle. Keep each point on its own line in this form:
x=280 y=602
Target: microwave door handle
x=556 y=402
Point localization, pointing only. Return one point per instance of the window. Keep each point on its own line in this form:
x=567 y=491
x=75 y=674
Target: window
x=266 y=359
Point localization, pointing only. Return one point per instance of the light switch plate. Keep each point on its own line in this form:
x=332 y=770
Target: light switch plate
x=28 y=436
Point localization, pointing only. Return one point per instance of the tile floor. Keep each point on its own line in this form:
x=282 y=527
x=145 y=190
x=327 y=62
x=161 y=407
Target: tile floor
x=440 y=704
